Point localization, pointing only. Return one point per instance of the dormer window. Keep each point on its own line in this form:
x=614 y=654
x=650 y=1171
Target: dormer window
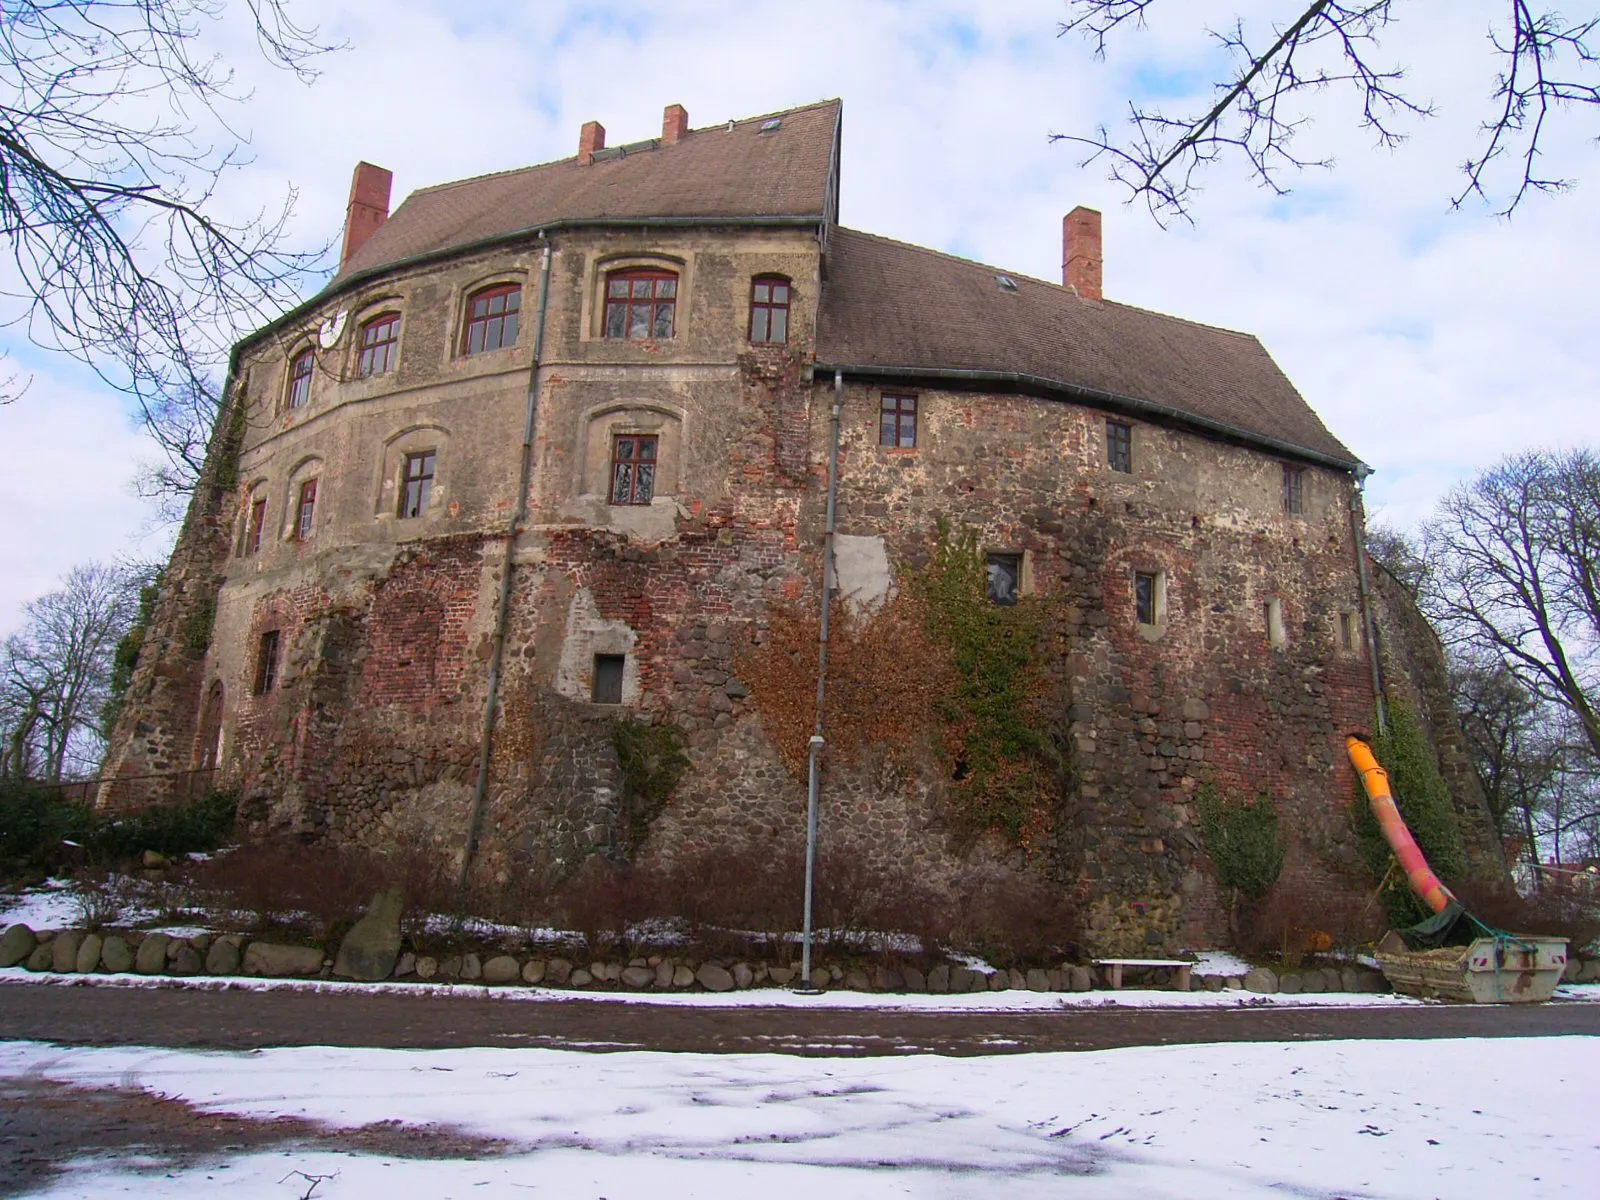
x=769 y=309
x=492 y=319
x=380 y=345
x=641 y=305
x=300 y=369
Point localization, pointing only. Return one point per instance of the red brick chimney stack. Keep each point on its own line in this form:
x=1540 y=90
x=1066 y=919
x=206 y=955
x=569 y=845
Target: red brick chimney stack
x=591 y=137
x=674 y=124
x=1080 y=252
x=368 y=207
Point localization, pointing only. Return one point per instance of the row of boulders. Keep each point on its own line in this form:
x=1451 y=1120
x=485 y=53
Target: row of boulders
x=1315 y=979
x=1581 y=970
x=81 y=952
x=76 y=951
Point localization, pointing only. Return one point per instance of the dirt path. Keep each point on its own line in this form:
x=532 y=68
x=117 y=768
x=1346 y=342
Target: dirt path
x=44 y=1125
x=242 y=1020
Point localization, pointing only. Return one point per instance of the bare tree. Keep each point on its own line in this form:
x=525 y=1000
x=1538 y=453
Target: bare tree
x=55 y=673
x=107 y=198
x=1514 y=577
x=1542 y=60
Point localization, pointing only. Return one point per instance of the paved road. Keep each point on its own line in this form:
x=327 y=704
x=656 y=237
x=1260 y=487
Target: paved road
x=246 y=1020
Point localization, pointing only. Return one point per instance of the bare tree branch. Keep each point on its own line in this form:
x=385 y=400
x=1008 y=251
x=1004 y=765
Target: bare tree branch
x=107 y=196
x=1259 y=110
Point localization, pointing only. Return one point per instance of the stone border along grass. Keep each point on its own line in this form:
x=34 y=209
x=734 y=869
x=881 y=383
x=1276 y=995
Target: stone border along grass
x=76 y=951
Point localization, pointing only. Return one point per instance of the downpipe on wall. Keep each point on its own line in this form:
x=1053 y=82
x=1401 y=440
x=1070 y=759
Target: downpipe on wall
x=813 y=779
x=502 y=614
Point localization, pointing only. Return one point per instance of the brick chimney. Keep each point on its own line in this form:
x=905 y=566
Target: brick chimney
x=1080 y=252
x=674 y=124
x=591 y=137
x=368 y=207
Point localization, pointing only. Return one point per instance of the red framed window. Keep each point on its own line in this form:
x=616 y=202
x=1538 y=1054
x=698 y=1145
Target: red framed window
x=266 y=662
x=633 y=469
x=641 y=305
x=253 y=527
x=380 y=345
x=416 y=482
x=897 y=422
x=769 y=309
x=305 y=510
x=300 y=369
x=492 y=318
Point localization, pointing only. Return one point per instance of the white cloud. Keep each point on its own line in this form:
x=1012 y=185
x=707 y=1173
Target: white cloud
x=1430 y=341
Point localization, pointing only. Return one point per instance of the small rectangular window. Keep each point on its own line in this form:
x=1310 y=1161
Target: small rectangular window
x=1347 y=631
x=380 y=345
x=305 y=510
x=492 y=319
x=1003 y=577
x=769 y=309
x=416 y=484
x=633 y=468
x=258 y=519
x=1272 y=610
x=1146 y=592
x=608 y=678
x=266 y=662
x=1294 y=490
x=897 y=422
x=1119 y=446
x=300 y=378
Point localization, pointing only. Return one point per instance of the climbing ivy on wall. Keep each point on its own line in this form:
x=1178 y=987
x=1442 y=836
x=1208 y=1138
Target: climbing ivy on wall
x=1423 y=799
x=938 y=670
x=653 y=761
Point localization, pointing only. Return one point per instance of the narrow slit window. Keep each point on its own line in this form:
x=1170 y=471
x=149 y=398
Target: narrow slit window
x=897 y=422
x=380 y=345
x=1002 y=578
x=252 y=533
x=1272 y=610
x=1294 y=491
x=1146 y=592
x=641 y=306
x=769 y=309
x=416 y=483
x=608 y=669
x=633 y=468
x=492 y=319
x=300 y=379
x=266 y=662
x=1347 y=631
x=1119 y=446
x=305 y=510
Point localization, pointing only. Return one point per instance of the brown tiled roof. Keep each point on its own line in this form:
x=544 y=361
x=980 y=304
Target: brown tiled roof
x=712 y=172
x=889 y=305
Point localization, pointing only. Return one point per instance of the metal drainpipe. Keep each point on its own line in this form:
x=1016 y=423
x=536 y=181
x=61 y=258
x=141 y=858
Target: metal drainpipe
x=503 y=608
x=813 y=780
x=1357 y=535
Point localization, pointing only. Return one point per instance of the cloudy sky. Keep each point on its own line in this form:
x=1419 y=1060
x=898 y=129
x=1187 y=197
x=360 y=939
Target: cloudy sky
x=1431 y=341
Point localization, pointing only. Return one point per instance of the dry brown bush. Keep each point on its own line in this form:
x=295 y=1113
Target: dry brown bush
x=1293 y=920
x=1549 y=913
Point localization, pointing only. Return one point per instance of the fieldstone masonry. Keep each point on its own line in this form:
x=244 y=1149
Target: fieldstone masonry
x=368 y=725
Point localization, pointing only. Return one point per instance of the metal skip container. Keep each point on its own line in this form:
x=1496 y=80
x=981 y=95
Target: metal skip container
x=1489 y=970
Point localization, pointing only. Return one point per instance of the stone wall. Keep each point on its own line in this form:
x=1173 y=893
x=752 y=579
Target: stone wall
x=371 y=730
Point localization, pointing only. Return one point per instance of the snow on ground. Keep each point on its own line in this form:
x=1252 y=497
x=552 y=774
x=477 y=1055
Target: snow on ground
x=1406 y=1120
x=53 y=905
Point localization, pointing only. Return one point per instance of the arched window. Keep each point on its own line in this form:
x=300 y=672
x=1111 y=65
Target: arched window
x=769 y=309
x=380 y=345
x=300 y=369
x=641 y=304
x=492 y=318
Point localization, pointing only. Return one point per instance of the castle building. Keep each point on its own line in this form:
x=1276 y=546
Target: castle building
x=554 y=444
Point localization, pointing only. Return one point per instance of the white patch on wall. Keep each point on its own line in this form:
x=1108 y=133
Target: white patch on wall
x=588 y=634
x=861 y=567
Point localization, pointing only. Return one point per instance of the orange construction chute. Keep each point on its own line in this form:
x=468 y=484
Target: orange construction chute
x=1376 y=781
